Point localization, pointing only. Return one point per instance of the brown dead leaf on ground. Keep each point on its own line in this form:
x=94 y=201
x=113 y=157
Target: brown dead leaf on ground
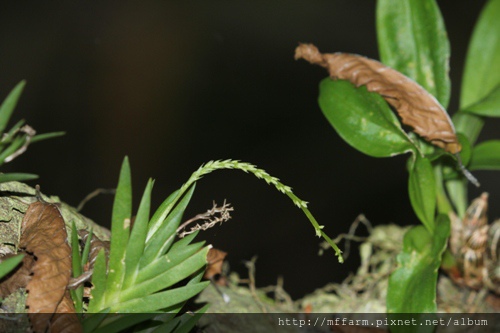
x=43 y=234
x=416 y=107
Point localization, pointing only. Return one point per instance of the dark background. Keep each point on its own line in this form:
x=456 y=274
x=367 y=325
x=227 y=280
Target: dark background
x=176 y=84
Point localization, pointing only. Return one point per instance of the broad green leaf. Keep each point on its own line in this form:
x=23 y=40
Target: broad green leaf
x=482 y=65
x=468 y=124
x=9 y=264
x=120 y=230
x=160 y=300
x=9 y=104
x=489 y=106
x=422 y=190
x=167 y=278
x=363 y=119
x=136 y=244
x=19 y=177
x=163 y=238
x=99 y=282
x=412 y=287
x=412 y=39
x=486 y=156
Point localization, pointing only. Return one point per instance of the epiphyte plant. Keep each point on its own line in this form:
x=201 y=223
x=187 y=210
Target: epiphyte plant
x=412 y=78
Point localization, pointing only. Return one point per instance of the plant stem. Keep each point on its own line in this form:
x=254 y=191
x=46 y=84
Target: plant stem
x=261 y=174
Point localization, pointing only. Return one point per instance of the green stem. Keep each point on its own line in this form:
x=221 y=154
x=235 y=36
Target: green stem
x=259 y=173
x=443 y=204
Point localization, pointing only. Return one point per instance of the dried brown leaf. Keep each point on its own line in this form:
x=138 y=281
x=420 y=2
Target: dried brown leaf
x=416 y=107
x=215 y=259
x=43 y=233
x=18 y=278
x=65 y=319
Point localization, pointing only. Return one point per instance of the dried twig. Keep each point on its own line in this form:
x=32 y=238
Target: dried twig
x=94 y=194
x=209 y=217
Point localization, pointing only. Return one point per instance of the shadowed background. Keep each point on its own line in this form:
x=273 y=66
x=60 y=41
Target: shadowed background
x=173 y=85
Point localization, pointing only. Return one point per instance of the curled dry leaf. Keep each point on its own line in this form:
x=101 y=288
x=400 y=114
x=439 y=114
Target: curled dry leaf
x=43 y=234
x=215 y=259
x=416 y=107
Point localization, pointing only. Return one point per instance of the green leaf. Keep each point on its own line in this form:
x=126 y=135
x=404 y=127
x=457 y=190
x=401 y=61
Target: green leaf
x=468 y=124
x=136 y=244
x=412 y=39
x=163 y=238
x=19 y=177
x=486 y=156
x=99 y=282
x=363 y=119
x=176 y=255
x=412 y=287
x=119 y=323
x=161 y=213
x=482 y=64
x=86 y=248
x=76 y=262
x=160 y=300
x=489 y=106
x=9 y=264
x=46 y=136
x=457 y=191
x=422 y=190
x=9 y=104
x=93 y=320
x=167 y=277
x=120 y=229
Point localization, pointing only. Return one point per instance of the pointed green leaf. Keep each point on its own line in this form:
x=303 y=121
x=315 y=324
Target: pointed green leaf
x=167 y=278
x=163 y=238
x=422 y=190
x=363 y=119
x=9 y=104
x=412 y=39
x=482 y=65
x=412 y=287
x=99 y=282
x=17 y=143
x=9 y=264
x=161 y=213
x=165 y=262
x=86 y=248
x=457 y=191
x=120 y=230
x=19 y=177
x=93 y=320
x=45 y=136
x=76 y=262
x=486 y=156
x=160 y=300
x=119 y=323
x=138 y=234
